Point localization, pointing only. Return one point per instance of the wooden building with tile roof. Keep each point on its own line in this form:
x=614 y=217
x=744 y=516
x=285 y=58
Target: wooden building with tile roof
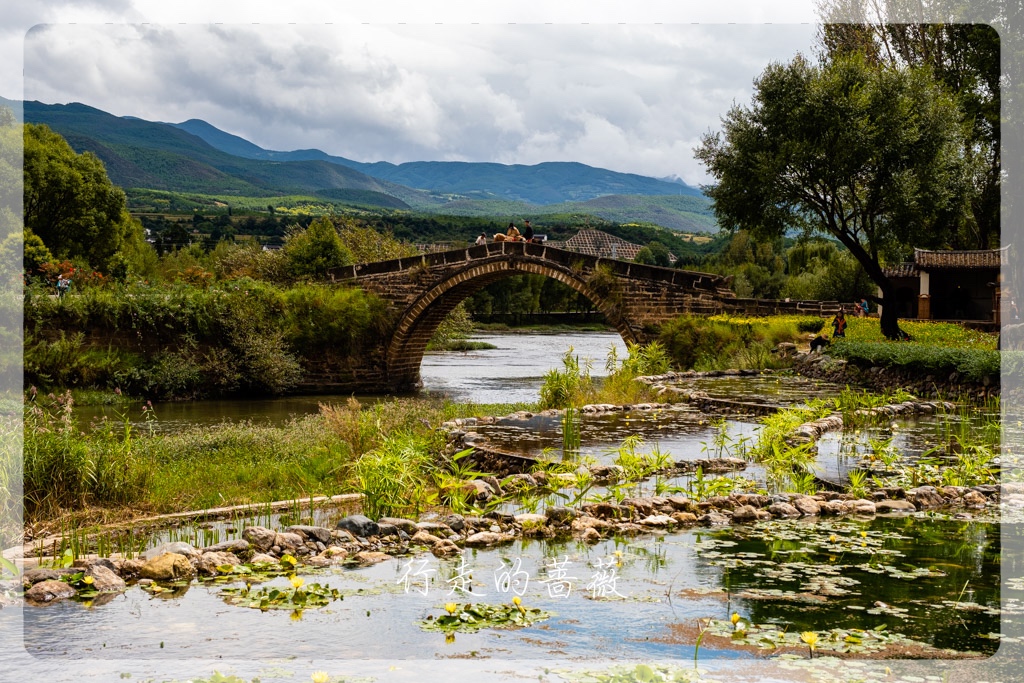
x=949 y=285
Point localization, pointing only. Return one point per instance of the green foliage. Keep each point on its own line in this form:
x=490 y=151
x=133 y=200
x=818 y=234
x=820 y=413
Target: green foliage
x=470 y=617
x=821 y=270
x=313 y=252
x=456 y=327
x=305 y=596
x=566 y=387
x=321 y=317
x=243 y=335
x=391 y=477
x=10 y=481
x=367 y=244
x=63 y=468
x=973 y=364
x=69 y=201
x=722 y=341
x=874 y=157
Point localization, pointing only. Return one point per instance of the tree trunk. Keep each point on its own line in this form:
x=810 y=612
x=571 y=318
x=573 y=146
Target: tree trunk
x=889 y=321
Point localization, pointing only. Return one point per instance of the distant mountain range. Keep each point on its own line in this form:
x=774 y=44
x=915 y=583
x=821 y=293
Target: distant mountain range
x=197 y=157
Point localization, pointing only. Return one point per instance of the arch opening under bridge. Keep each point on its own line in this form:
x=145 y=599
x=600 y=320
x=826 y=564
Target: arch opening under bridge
x=420 y=321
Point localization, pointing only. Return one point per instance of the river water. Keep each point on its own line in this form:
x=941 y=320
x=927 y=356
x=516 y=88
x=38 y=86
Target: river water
x=803 y=575
x=511 y=373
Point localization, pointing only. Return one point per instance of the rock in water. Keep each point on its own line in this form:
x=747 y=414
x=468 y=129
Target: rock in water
x=359 y=525
x=48 y=591
x=167 y=567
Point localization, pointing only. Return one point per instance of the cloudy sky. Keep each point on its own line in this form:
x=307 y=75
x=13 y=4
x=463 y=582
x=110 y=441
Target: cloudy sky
x=631 y=96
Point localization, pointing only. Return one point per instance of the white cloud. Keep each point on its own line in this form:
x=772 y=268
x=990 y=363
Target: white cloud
x=632 y=98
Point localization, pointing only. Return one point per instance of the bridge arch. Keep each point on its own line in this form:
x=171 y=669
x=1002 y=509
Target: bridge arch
x=420 y=320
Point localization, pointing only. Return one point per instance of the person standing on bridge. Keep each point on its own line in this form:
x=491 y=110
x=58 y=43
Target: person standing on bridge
x=528 y=232
x=513 y=233
x=482 y=239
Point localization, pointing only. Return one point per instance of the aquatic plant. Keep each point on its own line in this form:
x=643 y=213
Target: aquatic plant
x=391 y=477
x=566 y=387
x=472 y=617
x=571 y=420
x=857 y=485
x=299 y=597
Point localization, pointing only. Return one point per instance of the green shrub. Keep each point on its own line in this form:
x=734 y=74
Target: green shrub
x=974 y=364
x=394 y=477
x=813 y=325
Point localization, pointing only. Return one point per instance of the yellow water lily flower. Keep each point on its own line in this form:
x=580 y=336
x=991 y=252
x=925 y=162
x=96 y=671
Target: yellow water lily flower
x=88 y=580
x=735 y=618
x=320 y=677
x=296 y=615
x=863 y=534
x=832 y=538
x=811 y=638
x=450 y=607
x=517 y=601
x=297 y=581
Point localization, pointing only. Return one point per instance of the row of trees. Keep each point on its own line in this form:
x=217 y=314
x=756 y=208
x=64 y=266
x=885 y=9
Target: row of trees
x=891 y=141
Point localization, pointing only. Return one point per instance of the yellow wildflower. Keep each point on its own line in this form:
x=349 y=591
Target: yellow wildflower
x=297 y=581
x=811 y=638
x=88 y=580
x=320 y=677
x=451 y=607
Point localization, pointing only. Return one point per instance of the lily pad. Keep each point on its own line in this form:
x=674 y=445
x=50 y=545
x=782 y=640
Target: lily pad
x=472 y=617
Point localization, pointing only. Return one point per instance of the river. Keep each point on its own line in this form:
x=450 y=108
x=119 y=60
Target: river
x=511 y=373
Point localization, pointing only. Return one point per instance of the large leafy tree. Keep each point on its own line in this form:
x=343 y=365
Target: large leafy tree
x=963 y=57
x=70 y=202
x=874 y=157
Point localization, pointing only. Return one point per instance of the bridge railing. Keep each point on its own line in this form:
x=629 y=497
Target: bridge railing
x=572 y=260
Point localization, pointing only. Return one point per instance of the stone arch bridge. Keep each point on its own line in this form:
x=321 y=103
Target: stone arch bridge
x=423 y=290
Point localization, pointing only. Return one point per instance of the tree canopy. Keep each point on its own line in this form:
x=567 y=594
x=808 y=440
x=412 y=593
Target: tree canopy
x=70 y=202
x=312 y=252
x=964 y=58
x=874 y=157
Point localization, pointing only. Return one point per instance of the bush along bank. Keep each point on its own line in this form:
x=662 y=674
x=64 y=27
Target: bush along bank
x=180 y=341
x=975 y=381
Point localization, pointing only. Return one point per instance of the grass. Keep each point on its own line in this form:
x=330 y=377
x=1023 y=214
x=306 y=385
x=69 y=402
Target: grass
x=721 y=342
x=931 y=333
x=572 y=386
x=111 y=470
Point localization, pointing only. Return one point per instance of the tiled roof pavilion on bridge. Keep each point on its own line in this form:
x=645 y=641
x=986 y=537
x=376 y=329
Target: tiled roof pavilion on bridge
x=603 y=245
x=949 y=285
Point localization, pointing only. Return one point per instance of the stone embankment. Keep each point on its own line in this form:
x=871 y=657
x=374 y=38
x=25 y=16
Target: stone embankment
x=359 y=541
x=811 y=431
x=878 y=378
x=461 y=432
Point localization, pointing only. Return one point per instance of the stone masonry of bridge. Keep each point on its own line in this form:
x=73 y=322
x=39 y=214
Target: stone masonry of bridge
x=422 y=290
